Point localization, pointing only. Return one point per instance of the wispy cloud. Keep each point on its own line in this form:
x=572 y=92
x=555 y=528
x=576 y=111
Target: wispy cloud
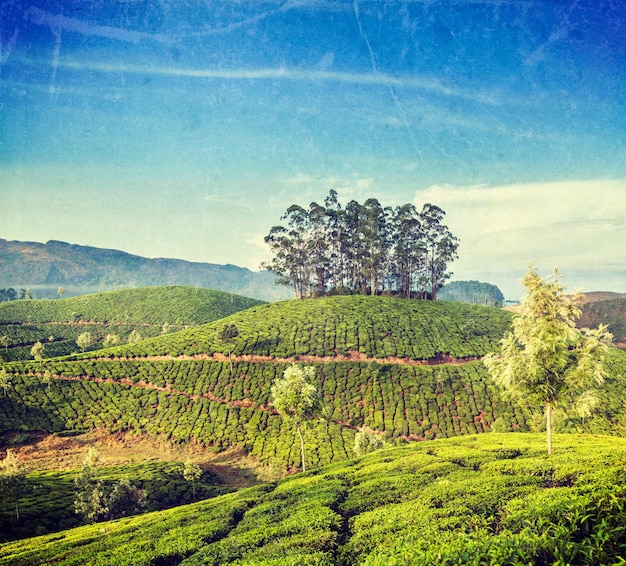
x=282 y=73
x=579 y=226
x=59 y=22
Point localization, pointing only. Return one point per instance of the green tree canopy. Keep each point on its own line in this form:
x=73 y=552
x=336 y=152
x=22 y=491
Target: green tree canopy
x=111 y=340
x=84 y=340
x=192 y=472
x=362 y=248
x=544 y=358
x=227 y=335
x=90 y=498
x=13 y=484
x=37 y=351
x=296 y=399
x=5 y=381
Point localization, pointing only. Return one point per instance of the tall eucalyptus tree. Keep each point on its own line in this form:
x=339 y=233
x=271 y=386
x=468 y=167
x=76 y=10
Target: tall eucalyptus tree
x=363 y=248
x=441 y=247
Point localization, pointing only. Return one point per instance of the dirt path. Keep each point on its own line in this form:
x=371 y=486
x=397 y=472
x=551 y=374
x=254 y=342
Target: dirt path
x=442 y=359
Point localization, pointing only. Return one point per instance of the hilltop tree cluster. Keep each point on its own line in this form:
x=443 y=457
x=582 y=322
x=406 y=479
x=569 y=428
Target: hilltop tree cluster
x=362 y=248
x=11 y=294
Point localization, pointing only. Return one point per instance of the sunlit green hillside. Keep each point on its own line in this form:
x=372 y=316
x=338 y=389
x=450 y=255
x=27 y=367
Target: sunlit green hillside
x=481 y=499
x=409 y=370
x=150 y=311
x=376 y=327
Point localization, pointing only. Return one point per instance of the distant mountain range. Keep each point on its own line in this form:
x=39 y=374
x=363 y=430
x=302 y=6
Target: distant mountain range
x=43 y=268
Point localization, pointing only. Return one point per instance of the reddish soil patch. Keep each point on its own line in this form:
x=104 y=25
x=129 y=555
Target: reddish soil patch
x=52 y=452
x=352 y=356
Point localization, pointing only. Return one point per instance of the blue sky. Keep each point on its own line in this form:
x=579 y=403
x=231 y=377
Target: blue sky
x=185 y=129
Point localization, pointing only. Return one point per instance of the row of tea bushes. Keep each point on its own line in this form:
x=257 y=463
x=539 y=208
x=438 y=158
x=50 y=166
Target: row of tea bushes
x=395 y=399
x=377 y=327
x=79 y=405
x=482 y=499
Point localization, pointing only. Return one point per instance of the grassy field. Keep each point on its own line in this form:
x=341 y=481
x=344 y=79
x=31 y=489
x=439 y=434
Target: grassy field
x=479 y=499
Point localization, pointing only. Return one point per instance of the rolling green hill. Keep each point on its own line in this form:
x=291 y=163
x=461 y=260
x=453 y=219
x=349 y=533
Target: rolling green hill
x=482 y=499
x=407 y=369
x=84 y=269
x=58 y=323
x=374 y=327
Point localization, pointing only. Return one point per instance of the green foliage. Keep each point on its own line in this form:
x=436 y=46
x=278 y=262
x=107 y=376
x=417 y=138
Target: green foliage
x=366 y=441
x=362 y=248
x=128 y=489
x=544 y=359
x=125 y=499
x=84 y=340
x=192 y=472
x=37 y=350
x=490 y=499
x=13 y=480
x=5 y=381
x=90 y=498
x=227 y=335
x=134 y=336
x=296 y=399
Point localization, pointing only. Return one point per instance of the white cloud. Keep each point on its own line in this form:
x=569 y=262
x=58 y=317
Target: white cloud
x=579 y=226
x=427 y=84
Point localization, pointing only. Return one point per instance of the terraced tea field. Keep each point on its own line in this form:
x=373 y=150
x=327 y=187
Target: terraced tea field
x=481 y=499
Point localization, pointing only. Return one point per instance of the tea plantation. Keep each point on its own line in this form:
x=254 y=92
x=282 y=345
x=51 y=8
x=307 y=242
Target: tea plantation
x=58 y=323
x=376 y=327
x=48 y=504
x=431 y=385
x=408 y=370
x=479 y=499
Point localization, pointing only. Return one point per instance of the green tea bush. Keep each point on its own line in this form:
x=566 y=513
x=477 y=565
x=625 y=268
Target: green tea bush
x=482 y=499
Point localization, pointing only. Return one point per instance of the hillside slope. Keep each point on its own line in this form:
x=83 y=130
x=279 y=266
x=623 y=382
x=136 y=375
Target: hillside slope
x=489 y=499
x=150 y=311
x=83 y=269
x=610 y=311
x=376 y=327
x=409 y=370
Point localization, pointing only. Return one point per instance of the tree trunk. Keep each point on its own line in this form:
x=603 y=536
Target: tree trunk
x=301 y=447
x=17 y=510
x=549 y=426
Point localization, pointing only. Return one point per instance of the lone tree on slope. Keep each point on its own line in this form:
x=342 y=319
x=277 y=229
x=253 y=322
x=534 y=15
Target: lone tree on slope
x=37 y=351
x=227 y=336
x=84 y=340
x=13 y=482
x=90 y=498
x=296 y=399
x=192 y=472
x=545 y=359
x=5 y=381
